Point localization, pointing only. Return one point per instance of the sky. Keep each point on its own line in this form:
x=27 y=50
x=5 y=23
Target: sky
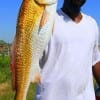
x=9 y=12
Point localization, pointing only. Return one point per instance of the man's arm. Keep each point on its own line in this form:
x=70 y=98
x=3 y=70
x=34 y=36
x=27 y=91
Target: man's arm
x=96 y=72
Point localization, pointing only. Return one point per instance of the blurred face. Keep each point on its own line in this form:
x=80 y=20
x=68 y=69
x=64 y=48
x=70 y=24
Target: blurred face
x=77 y=3
x=74 y=5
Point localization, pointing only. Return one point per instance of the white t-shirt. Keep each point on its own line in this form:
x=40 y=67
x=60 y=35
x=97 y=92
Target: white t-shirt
x=73 y=49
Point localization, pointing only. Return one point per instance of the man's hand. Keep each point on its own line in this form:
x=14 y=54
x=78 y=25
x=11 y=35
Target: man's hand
x=96 y=72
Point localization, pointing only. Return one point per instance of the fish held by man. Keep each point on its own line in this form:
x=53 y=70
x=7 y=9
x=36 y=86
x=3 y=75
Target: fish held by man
x=33 y=32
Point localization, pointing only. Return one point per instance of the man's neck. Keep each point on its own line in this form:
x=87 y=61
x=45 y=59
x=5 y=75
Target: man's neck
x=76 y=17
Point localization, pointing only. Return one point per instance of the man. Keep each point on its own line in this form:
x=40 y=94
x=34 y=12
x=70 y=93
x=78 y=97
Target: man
x=72 y=54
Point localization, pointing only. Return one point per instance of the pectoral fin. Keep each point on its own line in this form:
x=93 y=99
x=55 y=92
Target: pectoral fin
x=44 y=19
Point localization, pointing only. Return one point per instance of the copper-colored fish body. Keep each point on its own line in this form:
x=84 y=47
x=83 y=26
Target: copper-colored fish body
x=29 y=15
x=33 y=31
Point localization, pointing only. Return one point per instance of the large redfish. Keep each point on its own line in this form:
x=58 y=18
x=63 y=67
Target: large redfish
x=33 y=32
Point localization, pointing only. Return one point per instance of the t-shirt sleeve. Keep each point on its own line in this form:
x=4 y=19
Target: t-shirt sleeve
x=96 y=52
